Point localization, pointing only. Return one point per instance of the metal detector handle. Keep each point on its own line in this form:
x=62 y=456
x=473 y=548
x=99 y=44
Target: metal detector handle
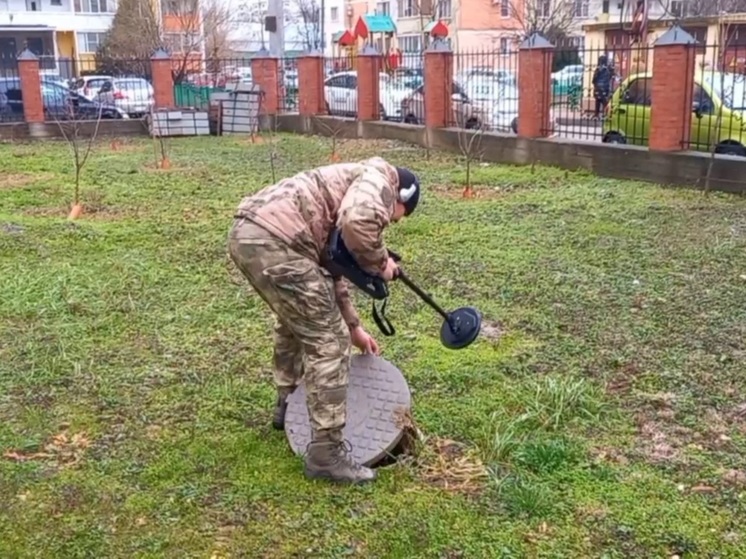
x=422 y=295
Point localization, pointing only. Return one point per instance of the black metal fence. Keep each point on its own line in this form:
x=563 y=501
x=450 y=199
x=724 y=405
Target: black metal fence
x=718 y=111
x=585 y=84
x=484 y=93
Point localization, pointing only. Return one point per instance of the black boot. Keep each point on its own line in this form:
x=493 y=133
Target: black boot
x=281 y=406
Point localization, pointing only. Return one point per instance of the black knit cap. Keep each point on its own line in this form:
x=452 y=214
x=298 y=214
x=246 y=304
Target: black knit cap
x=407 y=179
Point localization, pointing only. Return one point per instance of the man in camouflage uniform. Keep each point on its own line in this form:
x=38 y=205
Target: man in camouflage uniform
x=277 y=241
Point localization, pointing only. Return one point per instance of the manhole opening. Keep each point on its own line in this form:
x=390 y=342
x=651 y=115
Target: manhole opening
x=404 y=448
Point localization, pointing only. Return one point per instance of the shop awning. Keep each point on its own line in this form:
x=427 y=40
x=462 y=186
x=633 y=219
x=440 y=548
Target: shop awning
x=377 y=23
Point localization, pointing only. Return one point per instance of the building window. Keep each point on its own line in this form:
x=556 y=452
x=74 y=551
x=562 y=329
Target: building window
x=678 y=8
x=55 y=3
x=182 y=43
x=334 y=13
x=580 y=9
x=383 y=9
x=444 y=9
x=503 y=45
x=90 y=42
x=408 y=8
x=410 y=43
x=505 y=8
x=96 y=6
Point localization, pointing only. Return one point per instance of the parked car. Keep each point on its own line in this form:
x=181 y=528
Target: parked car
x=485 y=73
x=465 y=114
x=716 y=97
x=340 y=92
x=89 y=86
x=135 y=96
x=498 y=101
x=60 y=103
x=567 y=79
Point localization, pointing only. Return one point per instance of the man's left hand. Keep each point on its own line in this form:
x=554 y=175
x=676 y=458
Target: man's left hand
x=364 y=341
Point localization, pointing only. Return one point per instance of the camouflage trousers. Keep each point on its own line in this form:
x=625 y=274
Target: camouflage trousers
x=311 y=339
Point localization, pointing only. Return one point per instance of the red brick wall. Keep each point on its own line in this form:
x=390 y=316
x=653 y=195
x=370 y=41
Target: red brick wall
x=265 y=73
x=368 y=86
x=671 y=110
x=163 y=83
x=33 y=106
x=534 y=91
x=438 y=75
x=311 y=83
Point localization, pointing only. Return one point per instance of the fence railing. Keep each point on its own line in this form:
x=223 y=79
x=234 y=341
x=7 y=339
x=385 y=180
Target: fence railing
x=600 y=93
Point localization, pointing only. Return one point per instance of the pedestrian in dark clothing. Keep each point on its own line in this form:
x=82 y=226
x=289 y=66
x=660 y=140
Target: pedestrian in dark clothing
x=602 y=79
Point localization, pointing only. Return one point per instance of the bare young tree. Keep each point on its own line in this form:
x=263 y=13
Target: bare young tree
x=333 y=127
x=160 y=143
x=726 y=35
x=470 y=144
x=73 y=126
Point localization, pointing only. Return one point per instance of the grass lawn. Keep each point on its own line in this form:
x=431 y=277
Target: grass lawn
x=602 y=413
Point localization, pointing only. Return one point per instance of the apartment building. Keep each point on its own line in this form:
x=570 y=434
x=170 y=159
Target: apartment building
x=65 y=34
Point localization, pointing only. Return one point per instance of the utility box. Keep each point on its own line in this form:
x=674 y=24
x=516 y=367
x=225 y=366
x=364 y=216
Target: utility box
x=239 y=109
x=179 y=122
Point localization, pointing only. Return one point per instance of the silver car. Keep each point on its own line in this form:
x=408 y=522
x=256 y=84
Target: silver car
x=135 y=96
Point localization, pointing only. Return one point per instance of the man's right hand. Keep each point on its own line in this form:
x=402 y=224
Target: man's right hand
x=390 y=271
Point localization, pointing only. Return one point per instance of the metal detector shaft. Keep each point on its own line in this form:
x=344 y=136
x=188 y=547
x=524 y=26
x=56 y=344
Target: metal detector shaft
x=424 y=296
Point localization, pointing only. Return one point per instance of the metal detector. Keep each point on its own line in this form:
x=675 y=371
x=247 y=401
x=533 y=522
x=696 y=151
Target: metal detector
x=460 y=327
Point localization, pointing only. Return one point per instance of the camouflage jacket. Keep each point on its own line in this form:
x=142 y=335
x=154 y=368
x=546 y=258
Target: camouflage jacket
x=302 y=210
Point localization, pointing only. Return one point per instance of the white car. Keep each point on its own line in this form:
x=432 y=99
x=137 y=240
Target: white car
x=340 y=92
x=498 y=100
x=89 y=86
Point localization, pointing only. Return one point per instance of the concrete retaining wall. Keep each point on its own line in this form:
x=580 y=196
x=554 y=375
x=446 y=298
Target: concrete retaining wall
x=687 y=169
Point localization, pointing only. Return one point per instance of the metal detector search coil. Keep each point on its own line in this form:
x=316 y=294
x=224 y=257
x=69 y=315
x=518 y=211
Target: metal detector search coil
x=460 y=327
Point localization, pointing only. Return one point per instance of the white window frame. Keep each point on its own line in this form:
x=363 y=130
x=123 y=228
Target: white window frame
x=94 y=6
x=182 y=40
x=406 y=42
x=444 y=9
x=408 y=8
x=84 y=42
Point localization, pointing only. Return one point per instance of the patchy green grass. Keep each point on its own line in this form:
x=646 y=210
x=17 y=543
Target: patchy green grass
x=600 y=415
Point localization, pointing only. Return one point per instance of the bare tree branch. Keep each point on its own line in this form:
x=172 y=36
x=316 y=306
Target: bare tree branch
x=551 y=18
x=306 y=14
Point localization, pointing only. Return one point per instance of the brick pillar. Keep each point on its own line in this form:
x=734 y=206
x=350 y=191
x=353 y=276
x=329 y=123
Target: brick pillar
x=311 y=98
x=369 y=65
x=534 y=87
x=28 y=72
x=163 y=80
x=438 y=85
x=672 y=89
x=265 y=72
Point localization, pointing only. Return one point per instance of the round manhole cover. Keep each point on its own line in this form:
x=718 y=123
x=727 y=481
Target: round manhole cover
x=377 y=394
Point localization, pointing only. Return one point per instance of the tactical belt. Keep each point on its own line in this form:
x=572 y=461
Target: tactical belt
x=340 y=263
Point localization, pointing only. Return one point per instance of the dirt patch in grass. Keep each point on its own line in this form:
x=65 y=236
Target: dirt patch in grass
x=19 y=180
x=478 y=191
x=97 y=212
x=64 y=449
x=492 y=330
